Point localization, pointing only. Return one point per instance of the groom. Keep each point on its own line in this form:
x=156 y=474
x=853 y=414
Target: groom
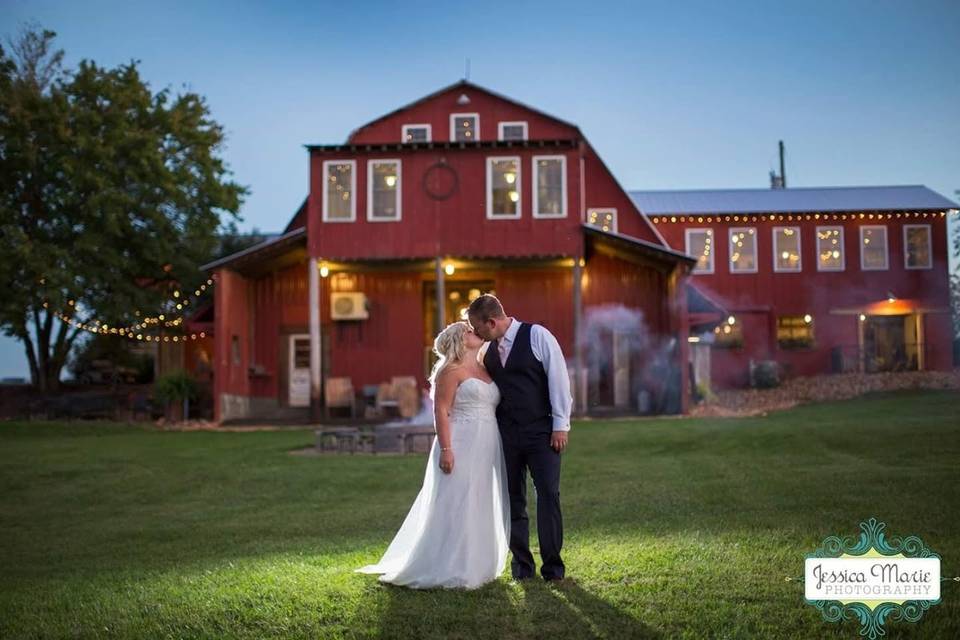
x=534 y=417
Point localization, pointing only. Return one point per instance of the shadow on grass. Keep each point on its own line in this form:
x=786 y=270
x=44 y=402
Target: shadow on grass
x=504 y=609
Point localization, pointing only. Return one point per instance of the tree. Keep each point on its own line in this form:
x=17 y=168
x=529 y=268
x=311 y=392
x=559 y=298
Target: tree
x=110 y=197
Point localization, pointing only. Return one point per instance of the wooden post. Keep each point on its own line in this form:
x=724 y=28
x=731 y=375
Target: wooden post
x=316 y=389
x=579 y=403
x=441 y=298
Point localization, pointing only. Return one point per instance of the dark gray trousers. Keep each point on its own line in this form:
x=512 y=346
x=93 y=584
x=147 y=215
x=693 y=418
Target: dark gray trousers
x=529 y=449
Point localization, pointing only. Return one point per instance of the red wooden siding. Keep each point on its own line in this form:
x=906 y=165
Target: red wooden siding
x=602 y=191
x=457 y=226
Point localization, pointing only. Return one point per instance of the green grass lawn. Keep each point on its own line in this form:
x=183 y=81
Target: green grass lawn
x=673 y=528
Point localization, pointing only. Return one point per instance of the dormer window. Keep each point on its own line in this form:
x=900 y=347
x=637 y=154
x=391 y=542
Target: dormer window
x=512 y=130
x=464 y=127
x=415 y=133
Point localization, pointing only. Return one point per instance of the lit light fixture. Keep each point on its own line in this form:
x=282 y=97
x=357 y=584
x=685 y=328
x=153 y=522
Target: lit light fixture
x=890 y=297
x=324 y=270
x=693 y=339
x=510 y=177
x=808 y=318
x=862 y=317
x=391 y=181
x=449 y=269
x=514 y=196
x=731 y=320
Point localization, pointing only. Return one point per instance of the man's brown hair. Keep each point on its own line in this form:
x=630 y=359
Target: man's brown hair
x=485 y=307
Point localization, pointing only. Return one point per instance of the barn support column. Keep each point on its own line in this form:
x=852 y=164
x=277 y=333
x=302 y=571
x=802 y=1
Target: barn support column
x=680 y=327
x=441 y=298
x=316 y=395
x=579 y=379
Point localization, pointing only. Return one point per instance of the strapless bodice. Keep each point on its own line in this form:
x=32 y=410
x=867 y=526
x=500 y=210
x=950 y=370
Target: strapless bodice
x=475 y=398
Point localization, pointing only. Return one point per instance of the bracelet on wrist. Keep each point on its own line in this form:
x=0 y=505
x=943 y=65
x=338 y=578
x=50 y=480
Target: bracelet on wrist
x=446 y=448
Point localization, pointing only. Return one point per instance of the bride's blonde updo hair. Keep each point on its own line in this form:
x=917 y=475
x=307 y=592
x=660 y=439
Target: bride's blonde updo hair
x=450 y=348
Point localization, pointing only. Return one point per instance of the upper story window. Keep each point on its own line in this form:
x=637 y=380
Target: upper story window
x=416 y=133
x=743 y=250
x=873 y=247
x=603 y=219
x=699 y=244
x=786 y=249
x=339 y=187
x=916 y=247
x=512 y=130
x=503 y=187
x=830 y=256
x=383 y=190
x=464 y=127
x=549 y=186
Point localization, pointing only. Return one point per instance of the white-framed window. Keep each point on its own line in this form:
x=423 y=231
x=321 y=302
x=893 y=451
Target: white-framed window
x=699 y=244
x=830 y=252
x=339 y=190
x=786 y=249
x=917 y=247
x=873 y=247
x=503 y=187
x=743 y=250
x=410 y=133
x=464 y=127
x=383 y=190
x=604 y=219
x=512 y=130
x=549 y=186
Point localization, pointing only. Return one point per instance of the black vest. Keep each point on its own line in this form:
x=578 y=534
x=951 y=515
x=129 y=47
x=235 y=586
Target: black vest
x=524 y=392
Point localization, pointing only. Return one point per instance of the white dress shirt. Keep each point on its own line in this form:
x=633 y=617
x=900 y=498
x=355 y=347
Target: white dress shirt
x=547 y=350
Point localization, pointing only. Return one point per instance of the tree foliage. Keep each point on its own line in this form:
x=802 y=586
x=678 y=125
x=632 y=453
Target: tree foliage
x=110 y=197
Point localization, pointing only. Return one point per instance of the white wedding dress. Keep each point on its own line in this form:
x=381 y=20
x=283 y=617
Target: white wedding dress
x=456 y=534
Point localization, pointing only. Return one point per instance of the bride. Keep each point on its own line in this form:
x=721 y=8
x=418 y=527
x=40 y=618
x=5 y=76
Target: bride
x=457 y=531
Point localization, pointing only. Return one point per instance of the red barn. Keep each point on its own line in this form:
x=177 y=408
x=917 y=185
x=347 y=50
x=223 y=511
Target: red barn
x=466 y=191
x=818 y=279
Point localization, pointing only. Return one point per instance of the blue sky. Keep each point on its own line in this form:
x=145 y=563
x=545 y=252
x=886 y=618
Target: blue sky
x=672 y=95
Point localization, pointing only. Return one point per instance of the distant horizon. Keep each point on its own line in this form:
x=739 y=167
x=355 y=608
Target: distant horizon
x=680 y=97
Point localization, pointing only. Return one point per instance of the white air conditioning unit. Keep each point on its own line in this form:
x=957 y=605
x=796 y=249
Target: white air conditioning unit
x=351 y=305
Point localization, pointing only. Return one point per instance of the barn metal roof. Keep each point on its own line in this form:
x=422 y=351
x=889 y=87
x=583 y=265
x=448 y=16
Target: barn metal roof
x=790 y=200
x=261 y=250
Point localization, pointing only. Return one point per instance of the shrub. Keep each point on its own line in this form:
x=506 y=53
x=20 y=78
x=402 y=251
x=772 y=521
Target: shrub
x=766 y=374
x=175 y=388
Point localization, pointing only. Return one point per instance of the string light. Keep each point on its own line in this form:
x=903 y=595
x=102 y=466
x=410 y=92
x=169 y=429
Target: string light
x=806 y=217
x=135 y=331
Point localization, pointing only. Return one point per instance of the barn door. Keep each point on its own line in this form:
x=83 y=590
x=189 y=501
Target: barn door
x=299 y=392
